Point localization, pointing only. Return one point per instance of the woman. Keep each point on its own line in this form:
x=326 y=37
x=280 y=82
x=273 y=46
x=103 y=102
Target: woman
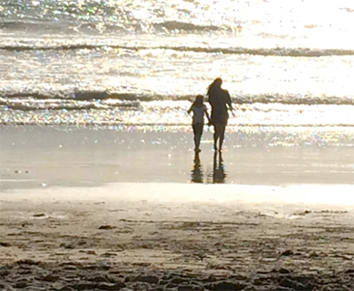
x=220 y=102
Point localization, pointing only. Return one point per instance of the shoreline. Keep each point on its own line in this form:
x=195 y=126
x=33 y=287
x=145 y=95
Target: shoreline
x=34 y=156
x=104 y=210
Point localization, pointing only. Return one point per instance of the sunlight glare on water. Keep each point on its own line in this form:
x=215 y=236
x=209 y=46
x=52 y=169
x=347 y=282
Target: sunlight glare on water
x=97 y=62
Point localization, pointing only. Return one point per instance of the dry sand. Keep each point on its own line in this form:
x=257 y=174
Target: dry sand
x=68 y=223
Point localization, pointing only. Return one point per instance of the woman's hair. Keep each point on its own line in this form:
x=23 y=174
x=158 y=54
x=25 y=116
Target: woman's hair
x=216 y=84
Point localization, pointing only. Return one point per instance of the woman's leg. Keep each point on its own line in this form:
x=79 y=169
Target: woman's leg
x=215 y=137
x=222 y=135
x=217 y=134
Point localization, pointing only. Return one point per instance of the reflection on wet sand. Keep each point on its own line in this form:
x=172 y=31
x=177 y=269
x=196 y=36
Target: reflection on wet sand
x=197 y=173
x=215 y=176
x=219 y=174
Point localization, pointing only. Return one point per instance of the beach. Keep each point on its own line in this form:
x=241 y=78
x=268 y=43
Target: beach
x=103 y=209
x=100 y=187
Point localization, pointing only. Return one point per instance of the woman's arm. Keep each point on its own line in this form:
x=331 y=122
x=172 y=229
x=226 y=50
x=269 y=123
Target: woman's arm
x=228 y=100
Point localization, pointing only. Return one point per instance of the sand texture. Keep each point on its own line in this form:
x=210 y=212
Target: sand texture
x=102 y=239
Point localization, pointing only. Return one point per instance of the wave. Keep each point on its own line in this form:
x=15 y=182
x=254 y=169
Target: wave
x=84 y=101
x=185 y=26
x=97 y=26
x=277 y=51
x=115 y=109
x=109 y=100
x=30 y=25
x=291 y=99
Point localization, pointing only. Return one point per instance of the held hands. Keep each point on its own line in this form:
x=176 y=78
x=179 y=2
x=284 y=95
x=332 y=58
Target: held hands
x=232 y=111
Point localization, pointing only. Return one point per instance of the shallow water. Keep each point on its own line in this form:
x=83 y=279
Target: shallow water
x=41 y=157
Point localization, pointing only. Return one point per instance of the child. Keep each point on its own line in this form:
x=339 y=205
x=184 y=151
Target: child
x=199 y=109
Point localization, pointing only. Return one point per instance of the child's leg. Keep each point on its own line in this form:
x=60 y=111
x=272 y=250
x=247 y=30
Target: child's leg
x=195 y=133
x=197 y=142
x=198 y=132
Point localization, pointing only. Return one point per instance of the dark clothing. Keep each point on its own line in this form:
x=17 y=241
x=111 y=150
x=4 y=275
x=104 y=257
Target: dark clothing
x=220 y=102
x=198 y=128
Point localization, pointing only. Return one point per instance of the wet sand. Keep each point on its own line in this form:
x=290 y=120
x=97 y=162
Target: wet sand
x=67 y=156
x=76 y=216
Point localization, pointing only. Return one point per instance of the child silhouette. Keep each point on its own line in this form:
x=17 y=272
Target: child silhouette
x=199 y=111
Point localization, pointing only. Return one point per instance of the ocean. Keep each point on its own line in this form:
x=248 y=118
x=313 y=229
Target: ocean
x=107 y=63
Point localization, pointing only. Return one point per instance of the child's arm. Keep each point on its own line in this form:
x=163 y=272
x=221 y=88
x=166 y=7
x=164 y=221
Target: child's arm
x=190 y=109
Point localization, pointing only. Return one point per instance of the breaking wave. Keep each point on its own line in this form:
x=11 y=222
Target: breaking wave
x=106 y=100
x=286 y=52
x=97 y=27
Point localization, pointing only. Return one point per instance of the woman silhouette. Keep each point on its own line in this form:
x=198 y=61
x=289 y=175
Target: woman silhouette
x=220 y=102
